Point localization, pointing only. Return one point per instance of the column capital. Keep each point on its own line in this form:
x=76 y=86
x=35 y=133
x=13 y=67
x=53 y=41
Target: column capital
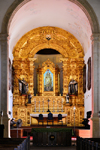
x=32 y=59
x=95 y=37
x=64 y=59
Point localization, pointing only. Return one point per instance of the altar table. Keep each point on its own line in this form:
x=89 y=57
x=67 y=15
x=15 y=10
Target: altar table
x=45 y=116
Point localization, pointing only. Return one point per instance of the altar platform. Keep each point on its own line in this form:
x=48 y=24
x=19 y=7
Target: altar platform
x=79 y=131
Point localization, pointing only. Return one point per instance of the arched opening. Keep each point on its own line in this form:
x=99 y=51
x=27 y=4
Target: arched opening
x=47 y=51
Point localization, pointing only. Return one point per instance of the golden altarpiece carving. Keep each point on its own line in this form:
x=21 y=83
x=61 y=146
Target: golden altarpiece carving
x=72 y=65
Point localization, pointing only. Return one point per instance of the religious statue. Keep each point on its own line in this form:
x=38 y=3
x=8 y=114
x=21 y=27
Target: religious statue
x=12 y=123
x=23 y=86
x=73 y=87
x=67 y=98
x=29 y=98
x=48 y=81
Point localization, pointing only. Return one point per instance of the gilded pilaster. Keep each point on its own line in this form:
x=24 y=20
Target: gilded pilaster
x=31 y=75
x=39 y=72
x=66 y=71
x=80 y=64
x=57 y=81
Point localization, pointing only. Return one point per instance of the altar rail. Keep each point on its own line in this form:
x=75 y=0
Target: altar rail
x=55 y=103
x=88 y=143
x=52 y=136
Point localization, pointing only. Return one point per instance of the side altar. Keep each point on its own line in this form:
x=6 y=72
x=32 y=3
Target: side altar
x=48 y=88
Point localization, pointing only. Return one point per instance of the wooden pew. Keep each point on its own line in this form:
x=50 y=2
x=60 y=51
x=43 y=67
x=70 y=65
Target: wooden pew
x=88 y=143
x=15 y=143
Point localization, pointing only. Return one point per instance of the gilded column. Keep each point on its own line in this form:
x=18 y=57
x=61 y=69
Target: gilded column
x=31 y=75
x=19 y=73
x=66 y=63
x=80 y=64
x=57 y=81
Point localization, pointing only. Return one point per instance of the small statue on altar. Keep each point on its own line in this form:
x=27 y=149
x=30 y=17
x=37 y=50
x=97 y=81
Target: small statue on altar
x=67 y=98
x=73 y=87
x=23 y=86
x=12 y=123
x=48 y=86
x=29 y=98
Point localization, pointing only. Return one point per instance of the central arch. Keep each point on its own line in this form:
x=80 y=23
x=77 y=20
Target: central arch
x=48 y=37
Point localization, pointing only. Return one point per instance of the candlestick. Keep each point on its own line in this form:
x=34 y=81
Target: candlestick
x=39 y=106
x=43 y=104
x=34 y=105
x=53 y=106
x=57 y=106
x=62 y=105
x=48 y=105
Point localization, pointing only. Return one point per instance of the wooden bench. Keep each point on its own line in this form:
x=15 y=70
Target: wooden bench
x=15 y=143
x=88 y=143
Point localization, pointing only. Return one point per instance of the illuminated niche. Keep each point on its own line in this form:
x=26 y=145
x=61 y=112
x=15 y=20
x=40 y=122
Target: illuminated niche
x=47 y=78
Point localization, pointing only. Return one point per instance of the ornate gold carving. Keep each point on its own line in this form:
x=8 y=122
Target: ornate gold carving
x=41 y=70
x=79 y=115
x=61 y=40
x=23 y=64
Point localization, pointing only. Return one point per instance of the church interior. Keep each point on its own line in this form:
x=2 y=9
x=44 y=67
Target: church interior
x=49 y=63
x=36 y=70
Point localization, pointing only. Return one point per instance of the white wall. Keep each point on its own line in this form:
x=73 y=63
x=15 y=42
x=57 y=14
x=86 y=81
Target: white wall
x=88 y=94
x=10 y=104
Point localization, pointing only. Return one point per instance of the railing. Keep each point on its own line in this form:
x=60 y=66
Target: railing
x=88 y=143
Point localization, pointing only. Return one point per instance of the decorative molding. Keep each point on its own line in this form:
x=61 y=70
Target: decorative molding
x=63 y=41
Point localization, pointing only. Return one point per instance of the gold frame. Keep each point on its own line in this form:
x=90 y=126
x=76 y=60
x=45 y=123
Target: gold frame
x=48 y=92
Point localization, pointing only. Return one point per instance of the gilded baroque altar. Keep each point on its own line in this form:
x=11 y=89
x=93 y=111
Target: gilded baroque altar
x=72 y=66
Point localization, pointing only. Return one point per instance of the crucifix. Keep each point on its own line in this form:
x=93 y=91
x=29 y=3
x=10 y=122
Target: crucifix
x=48 y=105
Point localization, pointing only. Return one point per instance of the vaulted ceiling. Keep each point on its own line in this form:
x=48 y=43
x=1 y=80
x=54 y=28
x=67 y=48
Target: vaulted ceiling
x=55 y=13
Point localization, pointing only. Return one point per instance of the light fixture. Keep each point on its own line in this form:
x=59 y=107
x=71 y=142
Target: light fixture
x=99 y=114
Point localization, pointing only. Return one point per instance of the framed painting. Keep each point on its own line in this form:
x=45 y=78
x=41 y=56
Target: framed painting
x=10 y=75
x=89 y=73
x=48 y=80
x=84 y=78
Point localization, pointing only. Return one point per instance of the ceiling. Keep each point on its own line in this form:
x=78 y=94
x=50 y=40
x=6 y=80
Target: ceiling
x=56 y=13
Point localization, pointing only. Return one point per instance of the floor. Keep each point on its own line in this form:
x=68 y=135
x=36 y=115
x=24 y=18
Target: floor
x=53 y=148
x=72 y=147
